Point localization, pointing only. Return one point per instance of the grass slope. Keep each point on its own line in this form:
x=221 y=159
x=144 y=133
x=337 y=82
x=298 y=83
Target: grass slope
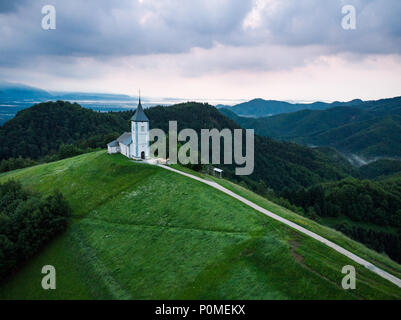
x=140 y=232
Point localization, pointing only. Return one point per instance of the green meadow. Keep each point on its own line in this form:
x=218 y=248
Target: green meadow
x=142 y=232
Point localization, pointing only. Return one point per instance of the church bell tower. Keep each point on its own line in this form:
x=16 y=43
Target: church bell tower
x=140 y=148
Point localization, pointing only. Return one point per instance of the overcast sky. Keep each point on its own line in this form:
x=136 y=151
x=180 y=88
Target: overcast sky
x=207 y=49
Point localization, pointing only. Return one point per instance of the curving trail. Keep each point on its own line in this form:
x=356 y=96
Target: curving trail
x=353 y=257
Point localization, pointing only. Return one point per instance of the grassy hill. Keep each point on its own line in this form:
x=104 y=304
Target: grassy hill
x=141 y=232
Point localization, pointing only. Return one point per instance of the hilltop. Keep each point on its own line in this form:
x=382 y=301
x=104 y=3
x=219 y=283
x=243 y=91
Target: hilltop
x=141 y=232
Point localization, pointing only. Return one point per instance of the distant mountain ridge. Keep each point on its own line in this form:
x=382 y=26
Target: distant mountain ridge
x=371 y=129
x=263 y=108
x=13 y=91
x=15 y=97
x=16 y=91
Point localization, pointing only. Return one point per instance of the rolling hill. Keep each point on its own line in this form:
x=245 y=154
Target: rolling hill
x=380 y=169
x=370 y=130
x=141 y=232
x=41 y=129
x=263 y=108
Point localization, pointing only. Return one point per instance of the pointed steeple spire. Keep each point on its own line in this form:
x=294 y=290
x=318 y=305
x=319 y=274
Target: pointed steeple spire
x=139 y=115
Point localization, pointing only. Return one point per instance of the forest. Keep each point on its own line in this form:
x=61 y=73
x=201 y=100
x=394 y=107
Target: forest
x=27 y=222
x=372 y=210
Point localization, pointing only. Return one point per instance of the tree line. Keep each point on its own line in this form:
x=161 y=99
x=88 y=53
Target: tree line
x=364 y=203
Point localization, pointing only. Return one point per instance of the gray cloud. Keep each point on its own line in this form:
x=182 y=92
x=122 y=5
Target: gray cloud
x=7 y=6
x=122 y=27
x=296 y=31
x=314 y=22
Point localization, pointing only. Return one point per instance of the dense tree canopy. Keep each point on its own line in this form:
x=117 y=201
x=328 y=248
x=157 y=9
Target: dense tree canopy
x=366 y=204
x=27 y=221
x=40 y=130
x=370 y=129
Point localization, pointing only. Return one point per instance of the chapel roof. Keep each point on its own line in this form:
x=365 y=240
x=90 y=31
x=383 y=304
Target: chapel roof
x=140 y=115
x=125 y=138
x=113 y=144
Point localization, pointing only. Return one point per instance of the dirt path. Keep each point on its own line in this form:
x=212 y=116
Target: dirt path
x=295 y=226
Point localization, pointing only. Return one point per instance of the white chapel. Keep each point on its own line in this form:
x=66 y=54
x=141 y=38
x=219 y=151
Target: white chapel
x=134 y=144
